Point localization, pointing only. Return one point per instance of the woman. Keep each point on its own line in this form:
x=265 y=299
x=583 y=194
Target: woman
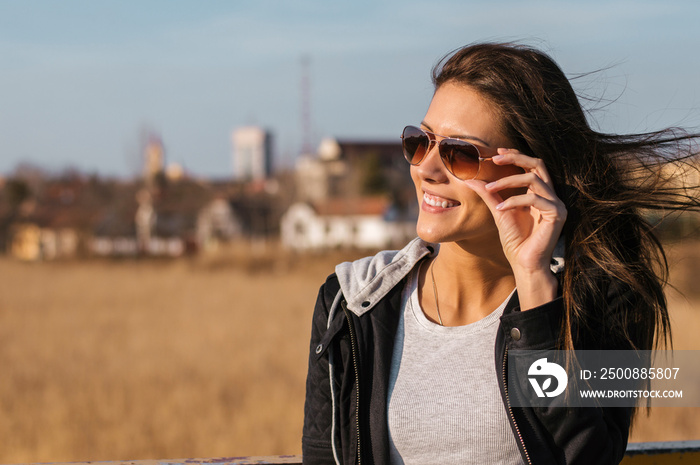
x=530 y=237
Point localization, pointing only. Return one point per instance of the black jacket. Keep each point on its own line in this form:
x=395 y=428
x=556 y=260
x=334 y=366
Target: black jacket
x=345 y=414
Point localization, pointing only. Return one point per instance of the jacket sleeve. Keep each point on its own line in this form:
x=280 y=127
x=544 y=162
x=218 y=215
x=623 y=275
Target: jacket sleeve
x=574 y=435
x=316 y=439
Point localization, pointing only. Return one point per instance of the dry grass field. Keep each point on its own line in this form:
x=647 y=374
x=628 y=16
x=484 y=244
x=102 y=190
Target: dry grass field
x=197 y=357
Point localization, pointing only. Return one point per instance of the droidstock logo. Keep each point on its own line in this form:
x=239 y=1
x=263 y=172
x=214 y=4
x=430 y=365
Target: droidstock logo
x=542 y=369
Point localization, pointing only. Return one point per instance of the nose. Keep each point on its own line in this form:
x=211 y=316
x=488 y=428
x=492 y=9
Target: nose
x=432 y=168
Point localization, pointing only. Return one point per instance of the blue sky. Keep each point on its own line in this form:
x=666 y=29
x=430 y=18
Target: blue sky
x=81 y=79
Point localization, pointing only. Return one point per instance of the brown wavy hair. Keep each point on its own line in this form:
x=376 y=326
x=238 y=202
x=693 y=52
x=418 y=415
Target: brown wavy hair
x=609 y=183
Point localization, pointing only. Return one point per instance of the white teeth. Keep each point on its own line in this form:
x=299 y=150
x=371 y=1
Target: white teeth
x=433 y=201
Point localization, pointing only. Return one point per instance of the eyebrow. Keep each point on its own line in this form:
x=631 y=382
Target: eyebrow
x=458 y=136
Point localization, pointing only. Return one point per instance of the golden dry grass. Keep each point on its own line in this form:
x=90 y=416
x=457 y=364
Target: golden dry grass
x=190 y=358
x=676 y=423
x=128 y=359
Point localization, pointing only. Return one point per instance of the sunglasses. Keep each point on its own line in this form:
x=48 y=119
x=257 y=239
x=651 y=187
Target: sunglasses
x=460 y=157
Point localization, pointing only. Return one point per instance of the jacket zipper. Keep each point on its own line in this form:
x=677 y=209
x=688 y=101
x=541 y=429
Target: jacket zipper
x=353 y=346
x=510 y=410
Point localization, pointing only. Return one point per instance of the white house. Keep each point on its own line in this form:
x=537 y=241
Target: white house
x=343 y=223
x=217 y=222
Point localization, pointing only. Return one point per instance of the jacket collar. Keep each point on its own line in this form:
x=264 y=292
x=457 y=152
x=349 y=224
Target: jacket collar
x=366 y=281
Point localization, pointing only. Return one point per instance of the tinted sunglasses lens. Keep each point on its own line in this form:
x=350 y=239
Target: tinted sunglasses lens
x=461 y=158
x=415 y=144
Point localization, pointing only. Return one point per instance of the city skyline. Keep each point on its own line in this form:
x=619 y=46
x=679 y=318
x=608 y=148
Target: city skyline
x=80 y=81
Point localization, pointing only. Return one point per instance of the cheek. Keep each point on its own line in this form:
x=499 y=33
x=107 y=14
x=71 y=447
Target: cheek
x=414 y=177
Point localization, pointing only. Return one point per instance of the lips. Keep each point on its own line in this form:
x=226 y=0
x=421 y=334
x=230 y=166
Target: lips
x=440 y=202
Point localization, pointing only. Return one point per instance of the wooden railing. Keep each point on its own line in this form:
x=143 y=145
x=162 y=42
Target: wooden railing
x=272 y=459
x=661 y=453
x=638 y=453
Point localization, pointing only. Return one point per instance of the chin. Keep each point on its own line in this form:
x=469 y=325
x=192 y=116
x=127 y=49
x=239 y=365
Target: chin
x=437 y=235
x=431 y=235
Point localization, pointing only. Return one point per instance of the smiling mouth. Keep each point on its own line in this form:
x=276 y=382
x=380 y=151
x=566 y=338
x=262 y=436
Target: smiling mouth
x=434 y=201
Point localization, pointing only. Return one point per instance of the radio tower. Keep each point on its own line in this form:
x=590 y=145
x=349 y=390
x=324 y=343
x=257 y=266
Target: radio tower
x=306 y=148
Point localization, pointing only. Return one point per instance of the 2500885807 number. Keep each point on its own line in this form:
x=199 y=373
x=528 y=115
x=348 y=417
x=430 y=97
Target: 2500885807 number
x=639 y=373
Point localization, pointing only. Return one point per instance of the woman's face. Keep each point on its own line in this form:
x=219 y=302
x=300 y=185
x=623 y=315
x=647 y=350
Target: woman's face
x=458 y=111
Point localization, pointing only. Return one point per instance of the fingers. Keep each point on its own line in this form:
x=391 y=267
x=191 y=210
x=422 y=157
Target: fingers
x=539 y=195
x=552 y=210
x=536 y=179
x=529 y=180
x=529 y=164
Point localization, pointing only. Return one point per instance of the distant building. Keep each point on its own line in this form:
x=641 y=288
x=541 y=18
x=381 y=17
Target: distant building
x=52 y=224
x=355 y=168
x=252 y=153
x=154 y=157
x=361 y=223
x=321 y=177
x=31 y=242
x=174 y=172
x=217 y=223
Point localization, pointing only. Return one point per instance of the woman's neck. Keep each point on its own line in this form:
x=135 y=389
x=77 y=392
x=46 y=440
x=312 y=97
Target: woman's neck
x=465 y=285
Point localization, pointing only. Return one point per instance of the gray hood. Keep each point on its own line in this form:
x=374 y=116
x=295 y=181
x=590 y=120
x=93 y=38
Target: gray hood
x=366 y=281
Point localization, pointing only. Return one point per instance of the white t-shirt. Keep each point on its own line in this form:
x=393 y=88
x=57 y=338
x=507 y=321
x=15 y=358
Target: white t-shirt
x=444 y=403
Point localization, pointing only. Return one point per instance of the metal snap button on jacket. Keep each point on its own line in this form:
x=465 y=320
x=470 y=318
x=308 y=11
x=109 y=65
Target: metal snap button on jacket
x=515 y=334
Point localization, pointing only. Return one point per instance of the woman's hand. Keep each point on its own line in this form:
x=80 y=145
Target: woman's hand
x=529 y=224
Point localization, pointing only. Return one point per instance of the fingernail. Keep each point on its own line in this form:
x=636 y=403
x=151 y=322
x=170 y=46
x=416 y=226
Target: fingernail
x=497 y=157
x=499 y=206
x=490 y=185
